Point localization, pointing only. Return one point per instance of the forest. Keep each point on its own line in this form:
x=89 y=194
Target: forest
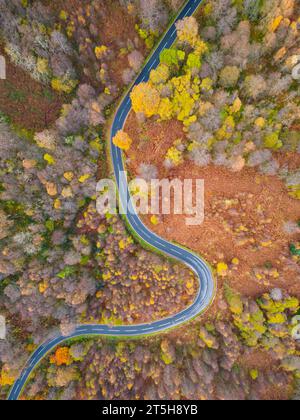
x=223 y=105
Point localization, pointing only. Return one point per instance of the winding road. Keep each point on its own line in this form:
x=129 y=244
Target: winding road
x=194 y=262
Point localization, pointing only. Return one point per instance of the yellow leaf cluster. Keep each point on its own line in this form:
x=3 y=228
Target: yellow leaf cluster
x=49 y=159
x=65 y=86
x=69 y=176
x=43 y=287
x=57 y=204
x=145 y=99
x=275 y=23
x=165 y=110
x=222 y=269
x=154 y=220
x=6 y=379
x=63 y=15
x=206 y=84
x=185 y=95
x=83 y=178
x=160 y=75
x=260 y=122
x=100 y=51
x=188 y=31
x=201 y=47
x=236 y=106
x=42 y=65
x=174 y=155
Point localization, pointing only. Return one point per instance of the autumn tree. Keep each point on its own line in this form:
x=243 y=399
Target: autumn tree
x=145 y=99
x=172 y=57
x=61 y=357
x=188 y=30
x=160 y=75
x=122 y=140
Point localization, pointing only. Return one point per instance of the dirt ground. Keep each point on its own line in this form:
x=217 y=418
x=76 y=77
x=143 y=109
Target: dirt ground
x=28 y=103
x=245 y=214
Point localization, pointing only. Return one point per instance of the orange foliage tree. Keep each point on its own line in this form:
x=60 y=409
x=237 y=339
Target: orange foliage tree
x=62 y=356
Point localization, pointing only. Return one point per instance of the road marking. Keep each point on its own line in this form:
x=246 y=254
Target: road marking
x=153 y=64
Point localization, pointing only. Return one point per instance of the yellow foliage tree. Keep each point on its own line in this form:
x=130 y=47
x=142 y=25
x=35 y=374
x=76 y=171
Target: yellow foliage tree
x=165 y=110
x=188 y=30
x=64 y=85
x=6 y=379
x=222 y=269
x=145 y=98
x=160 y=75
x=100 y=51
x=62 y=356
x=201 y=47
x=122 y=140
x=174 y=155
x=273 y=26
x=183 y=101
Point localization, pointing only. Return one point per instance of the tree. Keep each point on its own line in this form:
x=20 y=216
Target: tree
x=165 y=110
x=253 y=9
x=259 y=157
x=47 y=139
x=6 y=379
x=272 y=141
x=188 y=30
x=171 y=57
x=160 y=75
x=145 y=99
x=229 y=76
x=62 y=376
x=62 y=356
x=153 y=14
x=255 y=86
x=200 y=157
x=122 y=140
x=193 y=61
x=135 y=59
x=183 y=100
x=148 y=172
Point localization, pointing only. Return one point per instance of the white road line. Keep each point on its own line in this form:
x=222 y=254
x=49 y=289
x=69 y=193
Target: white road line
x=188 y=11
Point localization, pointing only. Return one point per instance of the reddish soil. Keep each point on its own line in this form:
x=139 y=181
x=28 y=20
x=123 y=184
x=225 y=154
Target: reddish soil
x=262 y=206
x=28 y=103
x=151 y=142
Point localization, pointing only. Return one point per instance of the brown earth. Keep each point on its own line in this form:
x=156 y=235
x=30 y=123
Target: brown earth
x=244 y=216
x=29 y=104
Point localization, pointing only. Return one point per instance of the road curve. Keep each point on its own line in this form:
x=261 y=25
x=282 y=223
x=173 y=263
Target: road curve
x=194 y=262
